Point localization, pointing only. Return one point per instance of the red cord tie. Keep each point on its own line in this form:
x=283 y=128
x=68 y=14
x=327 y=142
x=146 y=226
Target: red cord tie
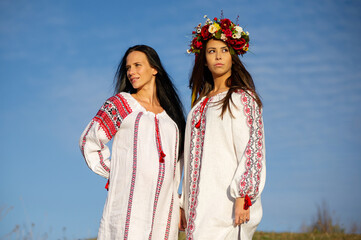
x=201 y=111
x=247 y=202
x=161 y=153
x=107 y=186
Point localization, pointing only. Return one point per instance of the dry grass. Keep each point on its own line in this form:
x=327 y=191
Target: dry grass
x=294 y=236
x=305 y=236
x=297 y=236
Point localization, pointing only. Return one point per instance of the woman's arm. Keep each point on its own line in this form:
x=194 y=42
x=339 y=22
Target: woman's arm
x=100 y=131
x=248 y=135
x=96 y=153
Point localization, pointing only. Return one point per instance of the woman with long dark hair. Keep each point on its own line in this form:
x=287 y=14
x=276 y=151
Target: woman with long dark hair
x=146 y=122
x=224 y=156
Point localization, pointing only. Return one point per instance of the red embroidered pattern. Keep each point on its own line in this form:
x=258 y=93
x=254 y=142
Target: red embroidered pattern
x=175 y=152
x=169 y=218
x=171 y=204
x=102 y=161
x=160 y=173
x=99 y=151
x=130 y=201
x=84 y=138
x=197 y=135
x=250 y=180
x=112 y=113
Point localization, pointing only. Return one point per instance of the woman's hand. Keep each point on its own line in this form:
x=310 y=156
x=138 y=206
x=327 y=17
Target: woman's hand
x=240 y=215
x=182 y=221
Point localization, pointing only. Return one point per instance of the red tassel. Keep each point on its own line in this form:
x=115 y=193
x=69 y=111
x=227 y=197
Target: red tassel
x=161 y=157
x=203 y=104
x=107 y=186
x=247 y=202
x=198 y=123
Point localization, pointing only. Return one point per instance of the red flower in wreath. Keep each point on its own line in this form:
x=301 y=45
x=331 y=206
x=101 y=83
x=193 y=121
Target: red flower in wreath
x=228 y=33
x=197 y=44
x=205 y=33
x=225 y=23
x=237 y=44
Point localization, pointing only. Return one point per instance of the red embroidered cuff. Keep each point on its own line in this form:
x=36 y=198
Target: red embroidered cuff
x=247 y=202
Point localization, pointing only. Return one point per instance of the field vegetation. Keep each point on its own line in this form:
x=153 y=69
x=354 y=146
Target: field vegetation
x=323 y=226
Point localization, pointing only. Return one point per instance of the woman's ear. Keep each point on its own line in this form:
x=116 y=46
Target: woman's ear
x=155 y=72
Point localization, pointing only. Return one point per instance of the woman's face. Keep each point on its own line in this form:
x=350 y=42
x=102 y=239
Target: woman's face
x=218 y=58
x=139 y=71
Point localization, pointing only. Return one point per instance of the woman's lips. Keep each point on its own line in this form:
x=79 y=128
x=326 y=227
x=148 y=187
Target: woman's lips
x=133 y=79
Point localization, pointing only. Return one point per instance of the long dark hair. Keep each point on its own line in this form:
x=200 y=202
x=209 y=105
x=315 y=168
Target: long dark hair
x=201 y=80
x=166 y=91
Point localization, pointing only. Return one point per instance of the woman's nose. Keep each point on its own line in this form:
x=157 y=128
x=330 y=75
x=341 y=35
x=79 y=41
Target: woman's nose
x=218 y=55
x=130 y=71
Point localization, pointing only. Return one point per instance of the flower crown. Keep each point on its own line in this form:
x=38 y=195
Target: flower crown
x=221 y=29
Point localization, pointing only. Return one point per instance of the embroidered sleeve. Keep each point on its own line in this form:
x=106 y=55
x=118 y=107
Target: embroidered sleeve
x=111 y=114
x=248 y=135
x=100 y=131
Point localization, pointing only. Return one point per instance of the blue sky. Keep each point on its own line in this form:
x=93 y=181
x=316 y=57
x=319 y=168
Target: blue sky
x=57 y=62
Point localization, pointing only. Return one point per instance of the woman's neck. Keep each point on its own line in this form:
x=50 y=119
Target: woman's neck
x=149 y=100
x=147 y=95
x=219 y=85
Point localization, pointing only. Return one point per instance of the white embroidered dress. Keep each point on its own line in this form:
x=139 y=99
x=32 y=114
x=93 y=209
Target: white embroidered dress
x=143 y=170
x=223 y=159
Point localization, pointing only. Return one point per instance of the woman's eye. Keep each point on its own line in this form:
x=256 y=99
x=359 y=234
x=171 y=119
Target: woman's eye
x=225 y=50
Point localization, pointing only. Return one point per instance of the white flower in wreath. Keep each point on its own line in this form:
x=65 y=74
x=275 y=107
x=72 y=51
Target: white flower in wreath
x=238 y=33
x=213 y=28
x=239 y=29
x=223 y=37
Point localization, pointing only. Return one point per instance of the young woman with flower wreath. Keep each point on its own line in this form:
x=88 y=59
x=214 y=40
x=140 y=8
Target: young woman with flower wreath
x=224 y=156
x=146 y=122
